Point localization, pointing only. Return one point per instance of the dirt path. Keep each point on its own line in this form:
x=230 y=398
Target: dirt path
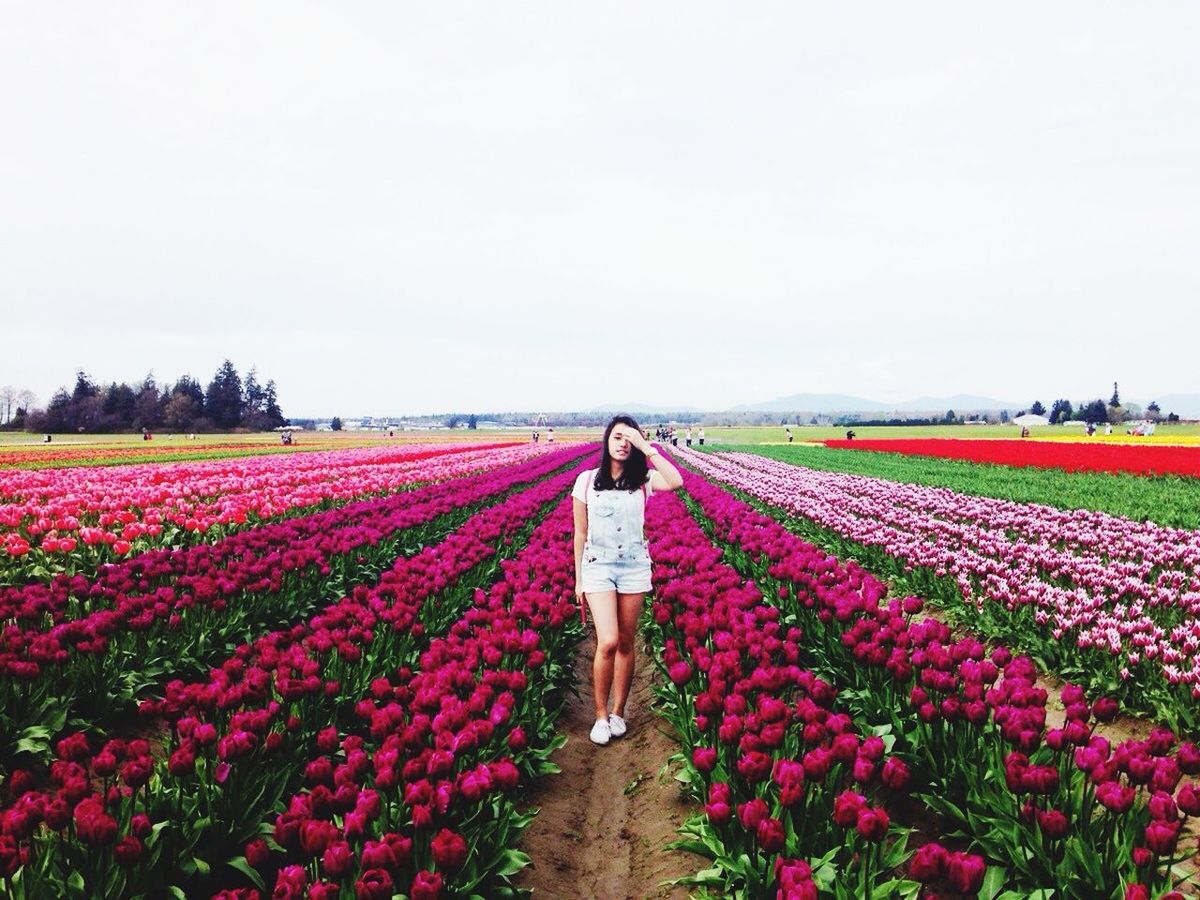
x=591 y=838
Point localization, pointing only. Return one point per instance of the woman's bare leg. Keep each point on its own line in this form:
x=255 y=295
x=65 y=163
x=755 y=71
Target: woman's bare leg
x=603 y=605
x=629 y=607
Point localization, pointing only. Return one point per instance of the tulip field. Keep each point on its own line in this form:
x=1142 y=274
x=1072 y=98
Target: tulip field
x=59 y=456
x=1106 y=600
x=1071 y=456
x=1167 y=499
x=45 y=515
x=337 y=673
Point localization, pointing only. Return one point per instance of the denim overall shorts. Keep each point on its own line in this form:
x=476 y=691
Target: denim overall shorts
x=615 y=555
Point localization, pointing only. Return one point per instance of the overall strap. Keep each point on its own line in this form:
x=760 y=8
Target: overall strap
x=586 y=487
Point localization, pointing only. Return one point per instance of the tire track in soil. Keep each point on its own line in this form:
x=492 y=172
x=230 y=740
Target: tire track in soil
x=590 y=838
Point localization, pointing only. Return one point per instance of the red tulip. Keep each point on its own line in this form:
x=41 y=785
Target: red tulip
x=128 y=851
x=847 y=807
x=93 y=825
x=928 y=864
x=752 y=812
x=680 y=673
x=770 y=835
x=1053 y=823
x=257 y=853
x=449 y=851
x=873 y=824
x=895 y=774
x=718 y=811
x=965 y=872
x=426 y=886
x=1161 y=837
x=704 y=758
x=1188 y=800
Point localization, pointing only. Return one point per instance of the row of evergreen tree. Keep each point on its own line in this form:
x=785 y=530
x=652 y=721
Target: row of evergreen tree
x=227 y=403
x=1097 y=411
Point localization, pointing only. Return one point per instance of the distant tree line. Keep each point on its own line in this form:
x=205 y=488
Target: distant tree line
x=229 y=402
x=1060 y=411
x=1098 y=411
x=561 y=419
x=14 y=406
x=949 y=419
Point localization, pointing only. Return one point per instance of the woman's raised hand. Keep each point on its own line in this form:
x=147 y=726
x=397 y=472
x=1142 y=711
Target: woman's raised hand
x=634 y=437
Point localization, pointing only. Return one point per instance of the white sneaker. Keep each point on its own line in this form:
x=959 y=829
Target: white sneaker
x=600 y=732
x=616 y=725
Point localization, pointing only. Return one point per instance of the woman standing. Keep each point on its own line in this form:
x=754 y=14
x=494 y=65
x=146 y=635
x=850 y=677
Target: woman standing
x=612 y=562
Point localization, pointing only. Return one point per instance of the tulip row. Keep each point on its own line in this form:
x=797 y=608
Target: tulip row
x=63 y=456
x=796 y=798
x=443 y=505
x=1169 y=500
x=74 y=519
x=1057 y=808
x=423 y=803
x=1067 y=455
x=239 y=741
x=1102 y=599
x=68 y=598
x=38 y=456
x=166 y=613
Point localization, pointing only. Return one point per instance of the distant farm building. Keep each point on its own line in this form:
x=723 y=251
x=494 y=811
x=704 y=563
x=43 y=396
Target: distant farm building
x=1029 y=420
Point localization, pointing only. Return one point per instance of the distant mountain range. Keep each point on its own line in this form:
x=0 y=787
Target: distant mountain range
x=643 y=408
x=836 y=403
x=1185 y=405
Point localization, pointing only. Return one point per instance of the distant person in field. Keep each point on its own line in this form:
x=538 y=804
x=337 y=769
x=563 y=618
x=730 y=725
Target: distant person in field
x=687 y=436
x=701 y=435
x=789 y=434
x=612 y=559
x=550 y=435
x=1108 y=427
x=850 y=435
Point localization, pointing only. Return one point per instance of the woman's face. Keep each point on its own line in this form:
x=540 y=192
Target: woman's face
x=618 y=443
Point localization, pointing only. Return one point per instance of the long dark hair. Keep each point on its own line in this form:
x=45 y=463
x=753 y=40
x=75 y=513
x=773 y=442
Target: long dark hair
x=633 y=476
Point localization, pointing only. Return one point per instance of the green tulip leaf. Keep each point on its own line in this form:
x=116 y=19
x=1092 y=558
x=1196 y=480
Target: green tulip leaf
x=242 y=865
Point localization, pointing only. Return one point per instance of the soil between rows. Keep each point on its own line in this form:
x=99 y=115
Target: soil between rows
x=591 y=838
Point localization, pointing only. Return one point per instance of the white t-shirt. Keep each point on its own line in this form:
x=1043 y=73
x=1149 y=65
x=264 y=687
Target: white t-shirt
x=584 y=485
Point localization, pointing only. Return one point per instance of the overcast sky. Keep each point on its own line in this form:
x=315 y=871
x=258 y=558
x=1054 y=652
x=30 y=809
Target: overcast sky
x=400 y=208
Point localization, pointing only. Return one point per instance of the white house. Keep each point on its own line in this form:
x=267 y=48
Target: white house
x=1029 y=420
